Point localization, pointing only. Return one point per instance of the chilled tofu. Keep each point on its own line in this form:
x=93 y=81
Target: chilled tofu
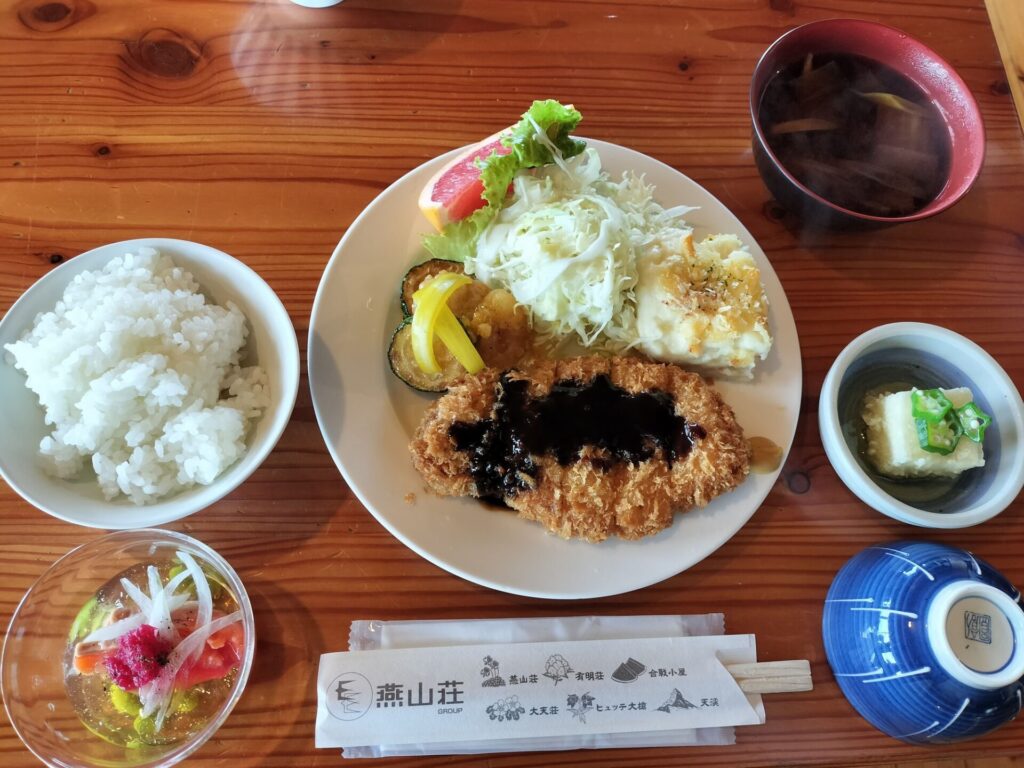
x=893 y=446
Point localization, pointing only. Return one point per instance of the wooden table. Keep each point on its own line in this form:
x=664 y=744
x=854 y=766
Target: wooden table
x=263 y=129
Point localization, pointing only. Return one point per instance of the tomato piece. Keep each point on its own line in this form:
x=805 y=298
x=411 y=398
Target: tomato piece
x=232 y=635
x=212 y=664
x=220 y=655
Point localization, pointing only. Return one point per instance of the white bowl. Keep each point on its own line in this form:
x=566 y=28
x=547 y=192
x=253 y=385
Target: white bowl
x=272 y=344
x=926 y=356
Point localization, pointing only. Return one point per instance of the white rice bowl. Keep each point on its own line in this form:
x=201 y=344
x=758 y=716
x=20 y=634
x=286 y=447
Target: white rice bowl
x=140 y=379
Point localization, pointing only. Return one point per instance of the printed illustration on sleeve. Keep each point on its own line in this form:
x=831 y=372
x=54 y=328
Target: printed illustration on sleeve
x=675 y=700
x=557 y=668
x=490 y=673
x=628 y=671
x=508 y=708
x=579 y=705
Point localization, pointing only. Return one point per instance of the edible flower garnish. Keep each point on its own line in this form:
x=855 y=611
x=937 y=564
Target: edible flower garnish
x=140 y=656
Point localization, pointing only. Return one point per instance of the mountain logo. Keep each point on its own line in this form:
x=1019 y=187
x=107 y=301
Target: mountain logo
x=349 y=696
x=675 y=700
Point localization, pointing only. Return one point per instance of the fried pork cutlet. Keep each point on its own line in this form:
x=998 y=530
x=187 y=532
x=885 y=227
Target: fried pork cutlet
x=590 y=447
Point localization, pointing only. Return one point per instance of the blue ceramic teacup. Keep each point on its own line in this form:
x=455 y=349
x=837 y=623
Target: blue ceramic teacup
x=926 y=641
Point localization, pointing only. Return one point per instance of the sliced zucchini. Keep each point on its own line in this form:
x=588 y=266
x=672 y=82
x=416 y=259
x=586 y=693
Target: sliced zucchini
x=419 y=274
x=403 y=362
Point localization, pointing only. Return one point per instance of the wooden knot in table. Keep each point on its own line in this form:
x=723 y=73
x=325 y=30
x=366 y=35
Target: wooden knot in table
x=53 y=16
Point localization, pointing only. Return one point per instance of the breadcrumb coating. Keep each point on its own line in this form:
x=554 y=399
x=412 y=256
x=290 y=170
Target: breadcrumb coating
x=591 y=498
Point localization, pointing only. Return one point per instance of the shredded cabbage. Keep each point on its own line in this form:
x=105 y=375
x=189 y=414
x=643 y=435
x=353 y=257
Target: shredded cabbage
x=567 y=246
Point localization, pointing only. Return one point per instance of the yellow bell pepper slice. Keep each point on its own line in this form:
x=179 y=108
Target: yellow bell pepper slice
x=432 y=317
x=454 y=336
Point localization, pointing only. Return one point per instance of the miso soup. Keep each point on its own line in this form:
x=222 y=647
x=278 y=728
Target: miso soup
x=856 y=133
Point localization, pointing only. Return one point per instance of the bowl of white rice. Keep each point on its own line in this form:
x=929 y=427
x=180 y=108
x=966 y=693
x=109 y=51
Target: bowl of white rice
x=141 y=382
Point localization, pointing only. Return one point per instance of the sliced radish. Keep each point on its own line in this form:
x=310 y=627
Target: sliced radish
x=160 y=617
x=205 y=598
x=155 y=588
x=138 y=597
x=115 y=630
x=176 y=582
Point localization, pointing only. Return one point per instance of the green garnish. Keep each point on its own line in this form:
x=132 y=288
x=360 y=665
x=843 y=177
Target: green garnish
x=973 y=421
x=84 y=622
x=929 y=404
x=938 y=437
x=184 y=702
x=940 y=425
x=145 y=727
x=124 y=702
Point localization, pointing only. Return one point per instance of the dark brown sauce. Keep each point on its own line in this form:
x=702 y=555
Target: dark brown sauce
x=625 y=427
x=857 y=133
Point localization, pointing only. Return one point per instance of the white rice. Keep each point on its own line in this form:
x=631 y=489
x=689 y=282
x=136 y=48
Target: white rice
x=140 y=379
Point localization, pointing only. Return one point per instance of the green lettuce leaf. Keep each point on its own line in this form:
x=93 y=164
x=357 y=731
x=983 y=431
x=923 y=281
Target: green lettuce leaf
x=456 y=241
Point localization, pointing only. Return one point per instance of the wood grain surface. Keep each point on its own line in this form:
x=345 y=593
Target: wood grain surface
x=263 y=129
x=1007 y=18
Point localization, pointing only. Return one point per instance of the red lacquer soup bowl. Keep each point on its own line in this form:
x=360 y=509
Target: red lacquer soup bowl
x=937 y=82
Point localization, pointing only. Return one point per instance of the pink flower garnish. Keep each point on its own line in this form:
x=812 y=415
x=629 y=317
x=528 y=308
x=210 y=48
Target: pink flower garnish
x=140 y=656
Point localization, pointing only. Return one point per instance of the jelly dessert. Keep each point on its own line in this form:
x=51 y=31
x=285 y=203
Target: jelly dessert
x=152 y=656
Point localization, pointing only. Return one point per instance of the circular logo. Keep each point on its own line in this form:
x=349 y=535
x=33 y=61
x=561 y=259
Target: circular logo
x=349 y=696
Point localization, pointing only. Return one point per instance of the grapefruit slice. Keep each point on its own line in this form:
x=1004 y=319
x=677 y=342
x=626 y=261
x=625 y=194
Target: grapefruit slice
x=456 y=191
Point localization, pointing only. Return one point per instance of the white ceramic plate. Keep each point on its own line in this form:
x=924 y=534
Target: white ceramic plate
x=271 y=344
x=368 y=416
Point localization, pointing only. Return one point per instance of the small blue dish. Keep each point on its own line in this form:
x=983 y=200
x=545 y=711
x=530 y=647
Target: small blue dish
x=926 y=641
